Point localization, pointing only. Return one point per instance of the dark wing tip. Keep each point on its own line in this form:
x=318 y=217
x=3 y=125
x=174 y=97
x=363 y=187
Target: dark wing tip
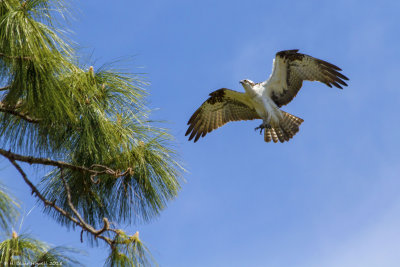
x=192 y=135
x=337 y=85
x=189 y=130
x=328 y=65
x=196 y=134
x=194 y=116
x=194 y=131
x=197 y=137
x=333 y=73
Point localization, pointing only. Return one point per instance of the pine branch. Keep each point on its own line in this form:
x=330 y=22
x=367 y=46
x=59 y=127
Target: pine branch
x=83 y=224
x=62 y=165
x=96 y=233
x=98 y=117
x=11 y=110
x=77 y=220
x=39 y=195
x=15 y=57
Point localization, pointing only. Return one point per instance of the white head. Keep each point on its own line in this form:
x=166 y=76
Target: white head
x=247 y=84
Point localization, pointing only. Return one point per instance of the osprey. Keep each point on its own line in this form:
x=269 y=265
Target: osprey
x=263 y=100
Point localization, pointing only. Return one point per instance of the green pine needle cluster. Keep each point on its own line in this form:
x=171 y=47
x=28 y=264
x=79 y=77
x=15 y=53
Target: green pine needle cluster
x=129 y=252
x=23 y=250
x=8 y=209
x=82 y=115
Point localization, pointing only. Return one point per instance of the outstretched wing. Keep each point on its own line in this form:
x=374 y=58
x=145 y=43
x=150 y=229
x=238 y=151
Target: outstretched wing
x=222 y=106
x=290 y=69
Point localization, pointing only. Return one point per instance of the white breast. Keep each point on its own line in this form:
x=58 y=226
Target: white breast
x=265 y=106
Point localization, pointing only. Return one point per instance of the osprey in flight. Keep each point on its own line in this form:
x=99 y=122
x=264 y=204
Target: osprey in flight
x=263 y=100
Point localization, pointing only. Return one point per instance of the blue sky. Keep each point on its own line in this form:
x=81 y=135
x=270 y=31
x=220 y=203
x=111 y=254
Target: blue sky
x=329 y=197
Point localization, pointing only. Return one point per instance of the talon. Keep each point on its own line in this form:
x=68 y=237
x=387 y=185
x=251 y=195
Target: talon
x=261 y=127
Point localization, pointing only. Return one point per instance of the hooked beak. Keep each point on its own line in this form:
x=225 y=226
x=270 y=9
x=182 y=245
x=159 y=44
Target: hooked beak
x=241 y=82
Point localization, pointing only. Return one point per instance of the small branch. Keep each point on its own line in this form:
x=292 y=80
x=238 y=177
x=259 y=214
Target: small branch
x=107 y=170
x=61 y=164
x=68 y=191
x=48 y=162
x=79 y=222
x=106 y=227
x=39 y=195
x=15 y=57
x=82 y=236
x=75 y=217
x=83 y=224
x=13 y=111
x=5 y=88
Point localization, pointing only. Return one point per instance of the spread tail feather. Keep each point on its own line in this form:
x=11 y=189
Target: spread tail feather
x=287 y=127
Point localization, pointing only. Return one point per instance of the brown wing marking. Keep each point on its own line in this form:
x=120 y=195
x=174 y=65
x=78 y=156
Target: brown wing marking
x=301 y=67
x=221 y=107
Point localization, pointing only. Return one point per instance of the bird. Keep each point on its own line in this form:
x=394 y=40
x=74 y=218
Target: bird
x=263 y=100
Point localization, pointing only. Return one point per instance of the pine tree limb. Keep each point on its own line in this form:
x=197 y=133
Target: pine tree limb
x=36 y=192
x=11 y=110
x=88 y=227
x=77 y=220
x=15 y=57
x=61 y=165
